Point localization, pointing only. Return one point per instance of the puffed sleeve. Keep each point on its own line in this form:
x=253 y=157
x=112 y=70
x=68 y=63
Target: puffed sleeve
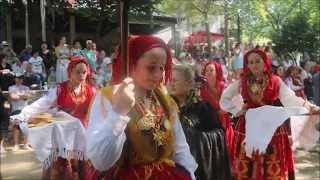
x=288 y=97
x=226 y=101
x=41 y=105
x=183 y=155
x=105 y=137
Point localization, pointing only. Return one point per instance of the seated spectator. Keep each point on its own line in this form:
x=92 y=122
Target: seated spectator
x=19 y=66
x=108 y=75
x=92 y=80
x=5 y=73
x=26 y=53
x=4 y=120
x=37 y=69
x=100 y=63
x=9 y=52
x=100 y=77
x=19 y=95
x=106 y=59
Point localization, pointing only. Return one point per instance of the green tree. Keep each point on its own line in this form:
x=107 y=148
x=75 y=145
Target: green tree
x=105 y=11
x=298 y=35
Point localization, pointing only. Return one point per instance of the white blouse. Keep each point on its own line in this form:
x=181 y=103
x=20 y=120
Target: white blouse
x=286 y=96
x=105 y=138
x=291 y=85
x=20 y=69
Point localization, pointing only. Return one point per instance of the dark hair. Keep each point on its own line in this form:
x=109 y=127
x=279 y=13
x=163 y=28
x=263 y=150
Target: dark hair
x=257 y=46
x=34 y=51
x=76 y=41
x=20 y=58
x=290 y=70
x=98 y=68
x=303 y=63
x=275 y=70
x=267 y=49
x=237 y=45
x=59 y=39
x=2 y=56
x=44 y=42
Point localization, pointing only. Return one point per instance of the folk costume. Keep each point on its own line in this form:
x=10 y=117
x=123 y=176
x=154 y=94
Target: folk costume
x=295 y=84
x=277 y=162
x=74 y=101
x=149 y=142
x=213 y=95
x=206 y=138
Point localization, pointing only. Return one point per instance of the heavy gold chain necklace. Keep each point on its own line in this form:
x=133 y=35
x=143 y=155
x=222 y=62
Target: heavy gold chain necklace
x=148 y=121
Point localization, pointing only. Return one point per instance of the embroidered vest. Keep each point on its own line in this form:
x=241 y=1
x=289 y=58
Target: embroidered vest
x=140 y=148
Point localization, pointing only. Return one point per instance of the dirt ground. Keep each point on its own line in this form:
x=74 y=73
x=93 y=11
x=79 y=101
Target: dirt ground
x=23 y=165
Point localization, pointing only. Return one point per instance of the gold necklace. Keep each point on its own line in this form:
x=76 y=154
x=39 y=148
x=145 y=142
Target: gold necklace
x=147 y=122
x=148 y=118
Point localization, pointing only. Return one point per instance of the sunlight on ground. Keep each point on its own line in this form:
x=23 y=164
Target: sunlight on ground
x=306 y=164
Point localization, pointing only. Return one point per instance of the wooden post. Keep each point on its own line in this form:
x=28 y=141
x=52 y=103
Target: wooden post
x=226 y=34
x=72 y=29
x=173 y=29
x=43 y=20
x=27 y=23
x=124 y=8
x=9 y=29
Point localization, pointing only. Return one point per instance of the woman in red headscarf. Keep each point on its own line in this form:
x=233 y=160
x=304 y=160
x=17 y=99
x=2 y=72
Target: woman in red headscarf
x=211 y=91
x=74 y=97
x=258 y=88
x=134 y=131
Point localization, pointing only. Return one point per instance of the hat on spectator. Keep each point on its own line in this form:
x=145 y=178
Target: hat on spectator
x=5 y=43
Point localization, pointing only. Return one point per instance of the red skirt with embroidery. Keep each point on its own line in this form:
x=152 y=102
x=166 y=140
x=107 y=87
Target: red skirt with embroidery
x=226 y=123
x=68 y=169
x=276 y=163
x=161 y=172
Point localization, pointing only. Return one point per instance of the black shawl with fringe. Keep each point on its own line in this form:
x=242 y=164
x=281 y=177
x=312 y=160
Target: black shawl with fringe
x=206 y=138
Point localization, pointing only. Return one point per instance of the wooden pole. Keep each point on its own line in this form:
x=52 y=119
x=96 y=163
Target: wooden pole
x=72 y=30
x=43 y=19
x=226 y=34
x=27 y=23
x=124 y=26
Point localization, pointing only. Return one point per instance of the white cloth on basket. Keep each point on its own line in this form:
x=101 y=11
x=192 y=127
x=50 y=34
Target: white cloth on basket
x=66 y=139
x=261 y=124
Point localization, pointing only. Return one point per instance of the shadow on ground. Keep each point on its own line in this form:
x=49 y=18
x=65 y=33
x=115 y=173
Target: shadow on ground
x=23 y=165
x=307 y=164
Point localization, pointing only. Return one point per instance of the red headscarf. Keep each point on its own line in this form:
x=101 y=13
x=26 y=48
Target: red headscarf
x=272 y=90
x=220 y=85
x=219 y=73
x=137 y=47
x=317 y=68
x=73 y=63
